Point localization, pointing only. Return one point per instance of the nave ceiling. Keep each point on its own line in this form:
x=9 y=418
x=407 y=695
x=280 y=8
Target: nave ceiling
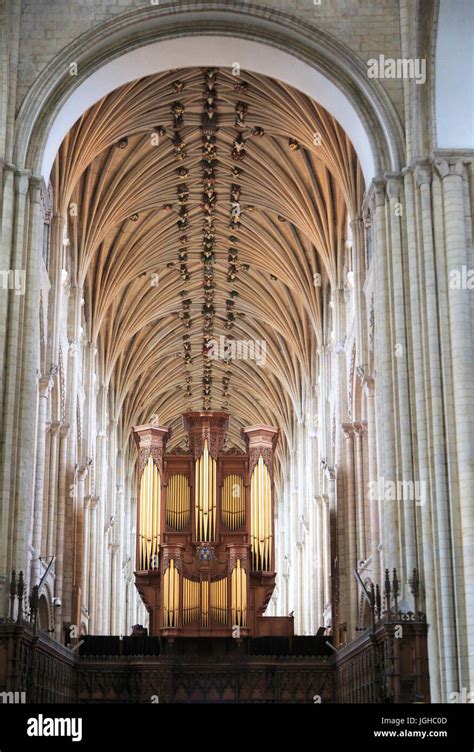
x=133 y=166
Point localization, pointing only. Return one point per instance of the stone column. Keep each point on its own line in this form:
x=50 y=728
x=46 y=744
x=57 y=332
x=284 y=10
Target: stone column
x=81 y=475
x=333 y=575
x=93 y=537
x=61 y=542
x=358 y=259
x=318 y=557
x=402 y=395
x=326 y=553
x=369 y=390
x=350 y=533
x=45 y=384
x=385 y=353
x=114 y=549
x=420 y=423
x=55 y=274
x=51 y=530
x=17 y=457
x=452 y=171
x=117 y=590
x=359 y=432
x=437 y=489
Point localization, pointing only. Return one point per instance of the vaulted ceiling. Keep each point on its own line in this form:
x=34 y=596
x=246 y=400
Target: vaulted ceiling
x=202 y=204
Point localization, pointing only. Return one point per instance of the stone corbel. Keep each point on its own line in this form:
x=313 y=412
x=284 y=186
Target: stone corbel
x=368 y=386
x=330 y=473
x=449 y=164
x=22 y=182
x=423 y=173
x=45 y=385
x=379 y=192
x=394 y=185
x=37 y=190
x=368 y=203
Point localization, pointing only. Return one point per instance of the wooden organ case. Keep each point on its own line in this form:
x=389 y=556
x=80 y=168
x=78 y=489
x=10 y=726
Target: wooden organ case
x=205 y=531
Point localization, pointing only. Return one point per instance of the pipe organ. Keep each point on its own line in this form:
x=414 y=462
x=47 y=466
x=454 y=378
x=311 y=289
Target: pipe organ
x=205 y=541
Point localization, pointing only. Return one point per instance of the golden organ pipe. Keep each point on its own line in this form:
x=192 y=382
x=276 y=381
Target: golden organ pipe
x=205 y=501
x=239 y=595
x=197 y=497
x=233 y=503
x=178 y=502
x=171 y=595
x=261 y=517
x=149 y=533
x=191 y=600
x=176 y=598
x=204 y=497
x=219 y=600
x=205 y=603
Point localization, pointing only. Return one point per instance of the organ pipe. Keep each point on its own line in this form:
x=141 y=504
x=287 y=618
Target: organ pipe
x=171 y=596
x=206 y=495
x=178 y=509
x=239 y=595
x=190 y=601
x=204 y=603
x=233 y=502
x=219 y=600
x=261 y=519
x=149 y=530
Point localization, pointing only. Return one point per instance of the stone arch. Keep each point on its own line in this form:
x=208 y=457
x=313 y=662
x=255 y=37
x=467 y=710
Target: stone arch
x=268 y=42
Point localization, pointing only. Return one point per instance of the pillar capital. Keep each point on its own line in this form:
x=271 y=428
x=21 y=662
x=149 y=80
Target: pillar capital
x=81 y=472
x=37 y=188
x=423 y=172
x=93 y=502
x=360 y=428
x=356 y=223
x=348 y=430
x=449 y=166
x=55 y=428
x=22 y=181
x=394 y=184
x=45 y=385
x=379 y=192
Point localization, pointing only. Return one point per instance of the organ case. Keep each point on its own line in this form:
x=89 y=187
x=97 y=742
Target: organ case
x=205 y=530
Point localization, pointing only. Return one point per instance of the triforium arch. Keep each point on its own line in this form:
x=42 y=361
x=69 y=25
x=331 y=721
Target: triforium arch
x=347 y=359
